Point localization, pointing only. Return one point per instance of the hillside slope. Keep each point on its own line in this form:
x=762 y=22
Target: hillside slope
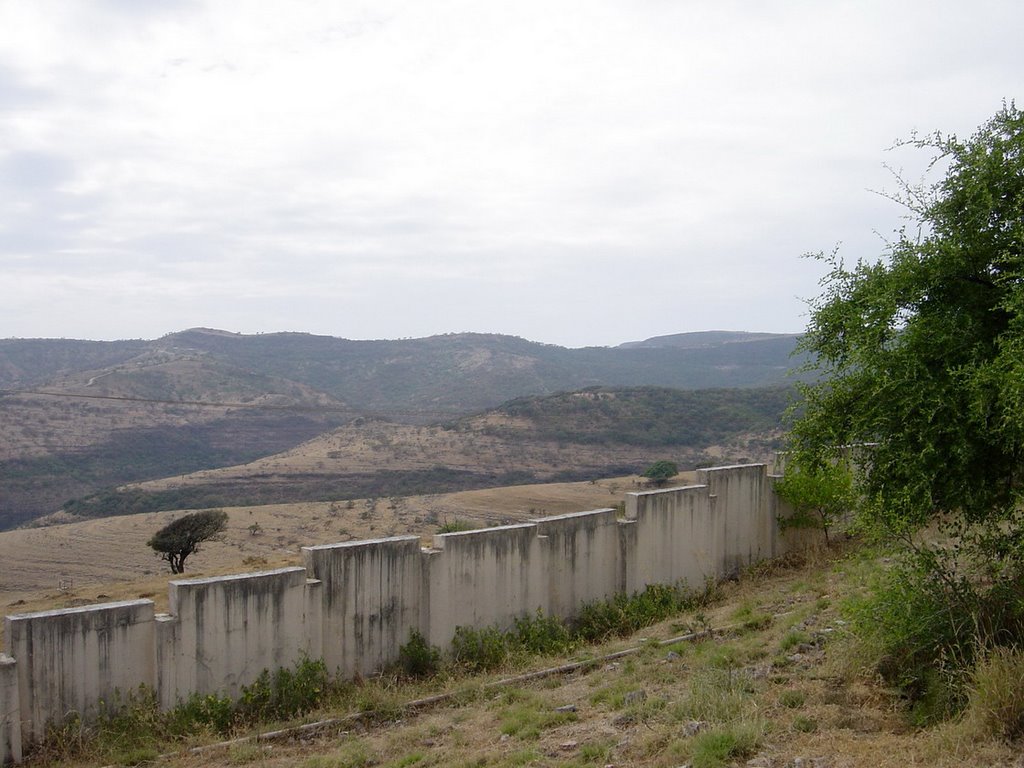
x=573 y=436
x=80 y=417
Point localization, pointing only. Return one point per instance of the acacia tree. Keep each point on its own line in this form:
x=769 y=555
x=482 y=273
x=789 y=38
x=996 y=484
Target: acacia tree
x=922 y=356
x=182 y=537
x=923 y=350
x=660 y=472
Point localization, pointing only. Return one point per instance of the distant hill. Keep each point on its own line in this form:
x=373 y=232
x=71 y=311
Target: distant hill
x=418 y=379
x=80 y=416
x=704 y=339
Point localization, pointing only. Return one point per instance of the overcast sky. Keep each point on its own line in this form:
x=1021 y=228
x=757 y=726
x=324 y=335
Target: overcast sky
x=578 y=172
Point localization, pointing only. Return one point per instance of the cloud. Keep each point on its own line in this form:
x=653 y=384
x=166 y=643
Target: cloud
x=401 y=168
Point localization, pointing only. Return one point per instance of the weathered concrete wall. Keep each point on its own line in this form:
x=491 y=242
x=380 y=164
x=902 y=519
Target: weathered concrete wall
x=10 y=718
x=223 y=632
x=744 y=520
x=676 y=540
x=483 y=578
x=68 y=661
x=579 y=559
x=372 y=598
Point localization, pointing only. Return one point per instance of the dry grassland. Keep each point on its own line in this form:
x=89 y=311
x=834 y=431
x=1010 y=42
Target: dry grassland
x=107 y=559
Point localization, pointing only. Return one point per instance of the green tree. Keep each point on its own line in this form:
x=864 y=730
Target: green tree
x=660 y=472
x=182 y=537
x=821 y=494
x=921 y=356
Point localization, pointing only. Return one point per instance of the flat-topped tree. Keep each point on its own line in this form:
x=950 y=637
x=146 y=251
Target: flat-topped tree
x=182 y=537
x=660 y=472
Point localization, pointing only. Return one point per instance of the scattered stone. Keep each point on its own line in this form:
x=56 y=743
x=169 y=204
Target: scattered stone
x=504 y=737
x=672 y=656
x=634 y=697
x=796 y=657
x=693 y=727
x=760 y=762
x=566 y=708
x=568 y=746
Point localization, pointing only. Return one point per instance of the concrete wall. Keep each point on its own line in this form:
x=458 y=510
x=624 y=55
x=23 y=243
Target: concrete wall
x=676 y=537
x=483 y=578
x=372 y=598
x=10 y=717
x=744 y=520
x=354 y=604
x=223 y=632
x=580 y=560
x=69 y=661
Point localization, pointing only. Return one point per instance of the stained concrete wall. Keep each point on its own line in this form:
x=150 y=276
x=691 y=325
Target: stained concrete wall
x=483 y=578
x=372 y=599
x=744 y=516
x=68 y=661
x=580 y=560
x=365 y=597
x=675 y=537
x=223 y=632
x=10 y=717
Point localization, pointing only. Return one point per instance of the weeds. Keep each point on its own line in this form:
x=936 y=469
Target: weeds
x=417 y=658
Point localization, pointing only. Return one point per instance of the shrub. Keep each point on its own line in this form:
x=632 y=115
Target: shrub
x=542 y=635
x=284 y=694
x=212 y=711
x=923 y=626
x=417 y=658
x=479 y=650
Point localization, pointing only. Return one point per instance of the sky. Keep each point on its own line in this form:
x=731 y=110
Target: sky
x=575 y=172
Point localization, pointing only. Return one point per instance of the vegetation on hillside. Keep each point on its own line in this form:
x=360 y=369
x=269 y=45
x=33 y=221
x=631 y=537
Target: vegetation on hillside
x=39 y=485
x=923 y=359
x=652 y=416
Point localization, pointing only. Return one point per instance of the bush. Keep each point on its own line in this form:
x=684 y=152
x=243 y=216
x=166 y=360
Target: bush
x=284 y=694
x=542 y=635
x=924 y=625
x=212 y=711
x=417 y=658
x=480 y=650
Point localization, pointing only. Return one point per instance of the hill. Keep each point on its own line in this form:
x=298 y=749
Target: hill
x=565 y=437
x=80 y=418
x=416 y=379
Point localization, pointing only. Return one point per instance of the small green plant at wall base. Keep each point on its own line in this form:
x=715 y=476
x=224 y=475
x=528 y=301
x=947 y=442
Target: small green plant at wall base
x=417 y=658
x=479 y=650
